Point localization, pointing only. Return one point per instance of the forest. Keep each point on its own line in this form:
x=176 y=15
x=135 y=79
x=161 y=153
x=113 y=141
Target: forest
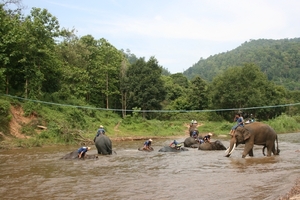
x=278 y=59
x=39 y=60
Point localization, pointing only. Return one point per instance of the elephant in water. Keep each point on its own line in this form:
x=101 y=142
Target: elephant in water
x=191 y=142
x=148 y=150
x=216 y=145
x=254 y=133
x=103 y=145
x=74 y=155
x=172 y=149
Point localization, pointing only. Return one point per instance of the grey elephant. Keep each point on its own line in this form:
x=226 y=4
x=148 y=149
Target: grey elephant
x=254 y=133
x=172 y=149
x=74 y=155
x=103 y=145
x=191 y=142
x=216 y=145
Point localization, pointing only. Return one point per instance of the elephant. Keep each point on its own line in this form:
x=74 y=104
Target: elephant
x=191 y=142
x=148 y=150
x=254 y=133
x=172 y=149
x=74 y=155
x=216 y=145
x=103 y=145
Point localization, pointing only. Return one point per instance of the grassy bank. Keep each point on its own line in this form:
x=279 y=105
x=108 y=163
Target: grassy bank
x=41 y=125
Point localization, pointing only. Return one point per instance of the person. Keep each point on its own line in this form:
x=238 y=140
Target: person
x=193 y=127
x=100 y=131
x=82 y=150
x=195 y=133
x=147 y=144
x=177 y=145
x=240 y=122
x=207 y=138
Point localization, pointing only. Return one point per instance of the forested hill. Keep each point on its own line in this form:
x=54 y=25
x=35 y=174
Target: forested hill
x=278 y=59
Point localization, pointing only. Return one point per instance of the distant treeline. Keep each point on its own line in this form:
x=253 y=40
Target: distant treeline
x=279 y=60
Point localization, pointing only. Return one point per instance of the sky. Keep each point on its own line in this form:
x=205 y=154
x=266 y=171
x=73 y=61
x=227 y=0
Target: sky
x=176 y=32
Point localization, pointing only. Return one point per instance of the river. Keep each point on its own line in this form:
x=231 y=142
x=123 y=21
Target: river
x=38 y=173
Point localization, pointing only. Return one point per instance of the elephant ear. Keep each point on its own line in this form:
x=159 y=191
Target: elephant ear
x=246 y=134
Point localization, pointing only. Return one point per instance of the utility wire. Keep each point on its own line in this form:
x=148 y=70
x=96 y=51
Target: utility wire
x=150 y=111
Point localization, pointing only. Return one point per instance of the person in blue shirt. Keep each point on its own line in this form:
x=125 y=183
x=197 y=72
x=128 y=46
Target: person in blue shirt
x=147 y=144
x=240 y=122
x=100 y=131
x=195 y=133
x=82 y=150
x=177 y=145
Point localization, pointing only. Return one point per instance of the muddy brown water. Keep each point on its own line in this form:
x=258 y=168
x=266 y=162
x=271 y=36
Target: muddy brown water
x=38 y=173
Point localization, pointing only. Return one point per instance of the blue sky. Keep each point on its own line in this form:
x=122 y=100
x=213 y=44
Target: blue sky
x=177 y=32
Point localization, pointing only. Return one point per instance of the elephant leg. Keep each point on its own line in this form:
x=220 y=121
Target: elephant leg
x=247 y=149
x=270 y=148
x=251 y=152
x=108 y=148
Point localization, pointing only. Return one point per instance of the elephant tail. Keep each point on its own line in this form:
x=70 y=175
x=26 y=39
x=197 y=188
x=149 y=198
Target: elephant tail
x=277 y=150
x=263 y=150
x=111 y=149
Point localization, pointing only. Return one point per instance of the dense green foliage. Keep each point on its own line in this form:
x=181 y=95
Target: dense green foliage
x=278 y=59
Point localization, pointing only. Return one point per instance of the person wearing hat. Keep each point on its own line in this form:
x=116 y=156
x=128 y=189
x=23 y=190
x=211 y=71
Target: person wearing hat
x=100 y=131
x=82 y=150
x=193 y=127
x=147 y=144
x=207 y=138
x=177 y=145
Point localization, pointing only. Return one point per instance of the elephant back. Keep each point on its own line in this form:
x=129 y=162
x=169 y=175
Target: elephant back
x=103 y=145
x=188 y=142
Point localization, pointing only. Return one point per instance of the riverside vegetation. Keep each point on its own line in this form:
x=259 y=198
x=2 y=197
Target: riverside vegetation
x=66 y=125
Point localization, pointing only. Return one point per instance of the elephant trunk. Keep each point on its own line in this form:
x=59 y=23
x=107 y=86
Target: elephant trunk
x=231 y=147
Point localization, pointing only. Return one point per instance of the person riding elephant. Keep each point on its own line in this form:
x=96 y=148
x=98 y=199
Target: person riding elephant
x=171 y=149
x=100 y=131
x=254 y=133
x=216 y=145
x=103 y=145
x=193 y=127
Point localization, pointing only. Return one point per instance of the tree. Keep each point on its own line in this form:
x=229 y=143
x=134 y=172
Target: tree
x=199 y=95
x=110 y=62
x=36 y=45
x=247 y=86
x=146 y=89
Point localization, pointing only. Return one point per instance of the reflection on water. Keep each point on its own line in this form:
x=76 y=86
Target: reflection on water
x=130 y=174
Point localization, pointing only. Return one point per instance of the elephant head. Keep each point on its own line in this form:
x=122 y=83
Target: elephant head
x=216 y=145
x=219 y=146
x=240 y=136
